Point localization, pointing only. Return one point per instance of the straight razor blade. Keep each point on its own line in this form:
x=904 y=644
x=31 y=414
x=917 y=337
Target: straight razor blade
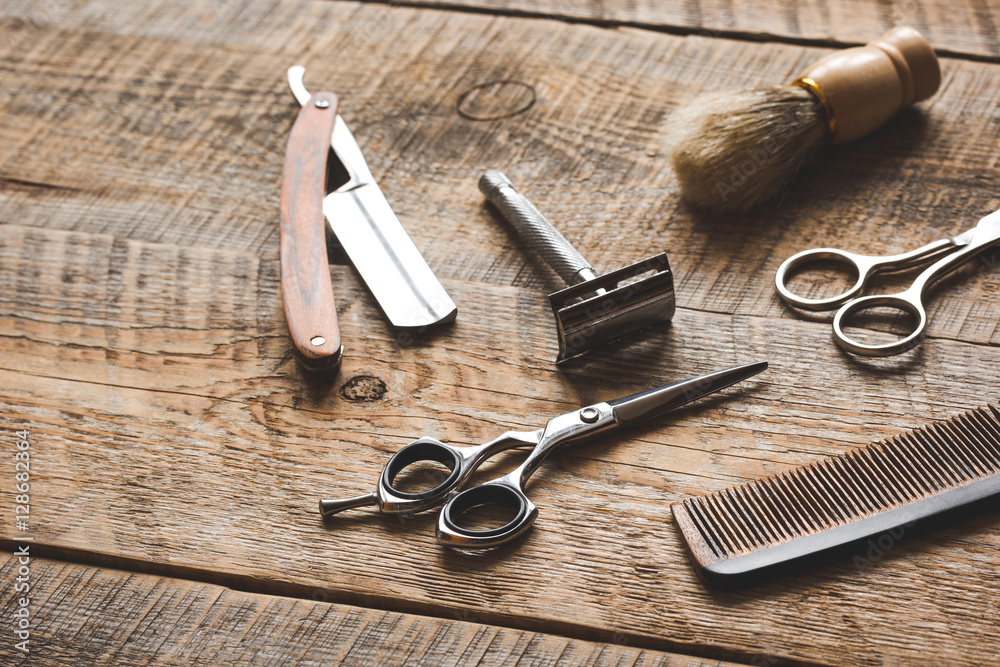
x=389 y=263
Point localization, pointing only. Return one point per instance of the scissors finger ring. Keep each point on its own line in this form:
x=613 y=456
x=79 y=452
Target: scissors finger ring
x=508 y=491
x=944 y=256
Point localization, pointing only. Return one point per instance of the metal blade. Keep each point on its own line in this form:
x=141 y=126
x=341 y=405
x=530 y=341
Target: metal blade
x=984 y=232
x=296 y=74
x=347 y=150
x=646 y=404
x=389 y=263
x=381 y=250
x=987 y=231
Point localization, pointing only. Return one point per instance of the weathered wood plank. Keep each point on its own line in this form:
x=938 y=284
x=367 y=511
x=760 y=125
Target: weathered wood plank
x=208 y=323
x=144 y=346
x=194 y=115
x=967 y=27
x=102 y=616
x=964 y=27
x=171 y=429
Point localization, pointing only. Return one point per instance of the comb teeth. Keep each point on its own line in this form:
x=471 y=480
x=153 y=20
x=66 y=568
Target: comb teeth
x=842 y=490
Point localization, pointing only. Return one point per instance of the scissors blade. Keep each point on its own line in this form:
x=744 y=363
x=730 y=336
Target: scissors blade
x=652 y=402
x=987 y=231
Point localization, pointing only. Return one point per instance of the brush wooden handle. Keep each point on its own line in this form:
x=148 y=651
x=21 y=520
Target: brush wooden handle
x=306 y=288
x=864 y=86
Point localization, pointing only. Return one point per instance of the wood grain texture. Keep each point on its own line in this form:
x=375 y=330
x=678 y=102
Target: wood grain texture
x=194 y=113
x=956 y=27
x=142 y=340
x=967 y=27
x=173 y=431
x=102 y=616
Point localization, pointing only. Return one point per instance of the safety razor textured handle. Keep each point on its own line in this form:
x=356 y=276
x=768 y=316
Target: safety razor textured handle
x=535 y=229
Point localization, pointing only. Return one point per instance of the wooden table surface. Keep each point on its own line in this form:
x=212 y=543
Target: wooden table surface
x=177 y=451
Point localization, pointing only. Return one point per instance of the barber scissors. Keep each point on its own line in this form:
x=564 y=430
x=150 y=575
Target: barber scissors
x=947 y=256
x=508 y=491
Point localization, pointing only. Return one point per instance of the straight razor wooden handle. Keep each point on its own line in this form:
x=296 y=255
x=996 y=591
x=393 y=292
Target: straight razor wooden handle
x=306 y=288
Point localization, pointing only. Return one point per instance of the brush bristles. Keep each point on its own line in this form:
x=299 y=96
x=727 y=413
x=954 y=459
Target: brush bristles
x=844 y=489
x=732 y=151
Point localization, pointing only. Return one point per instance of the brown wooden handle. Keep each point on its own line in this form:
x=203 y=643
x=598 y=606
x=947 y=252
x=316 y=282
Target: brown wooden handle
x=306 y=288
x=865 y=85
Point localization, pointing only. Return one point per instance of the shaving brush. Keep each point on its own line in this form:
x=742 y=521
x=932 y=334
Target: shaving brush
x=732 y=151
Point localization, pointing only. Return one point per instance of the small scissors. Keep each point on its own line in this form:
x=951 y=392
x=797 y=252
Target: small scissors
x=508 y=490
x=947 y=255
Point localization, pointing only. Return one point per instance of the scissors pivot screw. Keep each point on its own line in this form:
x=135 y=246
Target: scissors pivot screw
x=944 y=257
x=322 y=104
x=508 y=492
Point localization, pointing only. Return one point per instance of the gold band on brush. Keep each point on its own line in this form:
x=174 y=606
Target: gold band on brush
x=813 y=87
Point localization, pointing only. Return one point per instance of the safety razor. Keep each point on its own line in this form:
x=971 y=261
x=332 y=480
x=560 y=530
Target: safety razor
x=593 y=310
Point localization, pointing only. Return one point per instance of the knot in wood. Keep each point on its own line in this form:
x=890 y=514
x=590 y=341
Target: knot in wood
x=495 y=100
x=363 y=388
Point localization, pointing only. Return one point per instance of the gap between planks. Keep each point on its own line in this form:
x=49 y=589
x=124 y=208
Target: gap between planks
x=676 y=30
x=447 y=613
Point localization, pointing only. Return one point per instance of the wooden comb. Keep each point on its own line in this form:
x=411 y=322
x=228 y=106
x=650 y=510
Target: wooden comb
x=748 y=530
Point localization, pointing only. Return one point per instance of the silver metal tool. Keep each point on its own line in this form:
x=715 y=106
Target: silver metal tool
x=947 y=255
x=508 y=492
x=379 y=247
x=595 y=309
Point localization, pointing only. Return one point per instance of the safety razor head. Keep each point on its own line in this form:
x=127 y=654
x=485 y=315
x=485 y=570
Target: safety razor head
x=612 y=306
